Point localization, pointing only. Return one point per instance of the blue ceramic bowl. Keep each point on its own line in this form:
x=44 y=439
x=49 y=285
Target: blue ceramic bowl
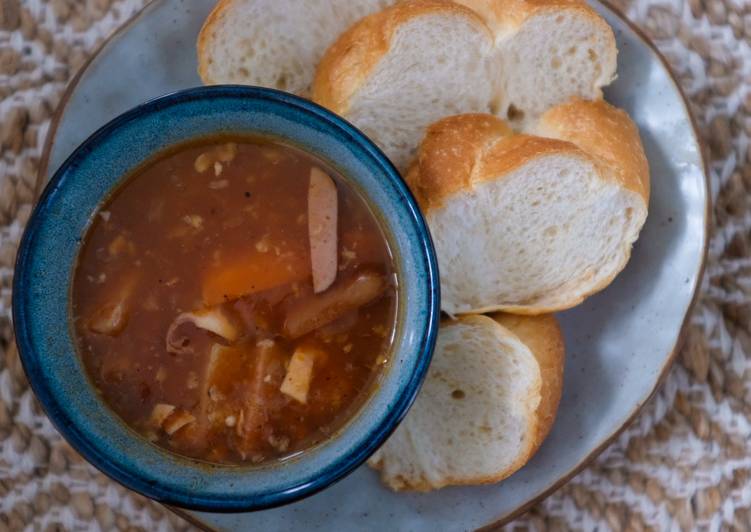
x=47 y=256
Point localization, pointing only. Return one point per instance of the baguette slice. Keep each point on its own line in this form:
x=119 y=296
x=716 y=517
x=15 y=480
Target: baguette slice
x=552 y=219
x=543 y=336
x=551 y=51
x=488 y=402
x=400 y=69
x=273 y=43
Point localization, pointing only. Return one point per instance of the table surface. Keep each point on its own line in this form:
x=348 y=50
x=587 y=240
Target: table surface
x=686 y=461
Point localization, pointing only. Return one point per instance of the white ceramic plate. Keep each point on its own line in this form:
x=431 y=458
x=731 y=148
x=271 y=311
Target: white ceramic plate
x=620 y=343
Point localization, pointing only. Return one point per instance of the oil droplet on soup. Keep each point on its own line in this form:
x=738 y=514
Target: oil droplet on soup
x=235 y=300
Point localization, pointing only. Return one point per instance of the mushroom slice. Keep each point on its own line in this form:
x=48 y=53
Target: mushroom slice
x=322 y=229
x=170 y=419
x=211 y=319
x=177 y=420
x=257 y=395
x=160 y=413
x=242 y=382
x=112 y=317
x=316 y=311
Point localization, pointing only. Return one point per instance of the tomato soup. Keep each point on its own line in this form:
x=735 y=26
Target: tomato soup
x=235 y=300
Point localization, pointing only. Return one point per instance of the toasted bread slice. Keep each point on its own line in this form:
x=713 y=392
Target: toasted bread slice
x=400 y=69
x=551 y=220
x=273 y=43
x=486 y=405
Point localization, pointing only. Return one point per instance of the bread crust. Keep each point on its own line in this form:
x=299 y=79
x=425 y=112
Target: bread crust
x=447 y=157
x=348 y=62
x=606 y=133
x=206 y=33
x=460 y=152
x=513 y=13
x=506 y=16
x=542 y=336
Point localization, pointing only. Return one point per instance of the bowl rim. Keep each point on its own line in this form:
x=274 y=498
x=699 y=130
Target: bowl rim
x=327 y=473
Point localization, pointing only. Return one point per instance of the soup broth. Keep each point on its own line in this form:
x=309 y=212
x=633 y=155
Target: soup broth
x=235 y=300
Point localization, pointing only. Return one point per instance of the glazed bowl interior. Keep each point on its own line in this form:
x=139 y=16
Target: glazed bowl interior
x=47 y=258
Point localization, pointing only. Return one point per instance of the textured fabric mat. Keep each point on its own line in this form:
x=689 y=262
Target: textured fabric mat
x=685 y=463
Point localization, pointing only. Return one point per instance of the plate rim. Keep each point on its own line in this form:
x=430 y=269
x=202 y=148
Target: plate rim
x=680 y=337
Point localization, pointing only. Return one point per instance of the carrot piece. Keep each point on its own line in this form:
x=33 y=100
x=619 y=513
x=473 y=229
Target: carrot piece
x=322 y=229
x=251 y=273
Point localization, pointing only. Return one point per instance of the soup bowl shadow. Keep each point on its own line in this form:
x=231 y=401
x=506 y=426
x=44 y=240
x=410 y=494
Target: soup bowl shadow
x=47 y=258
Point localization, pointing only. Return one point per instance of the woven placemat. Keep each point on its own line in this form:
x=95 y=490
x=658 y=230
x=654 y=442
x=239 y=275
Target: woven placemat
x=685 y=463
